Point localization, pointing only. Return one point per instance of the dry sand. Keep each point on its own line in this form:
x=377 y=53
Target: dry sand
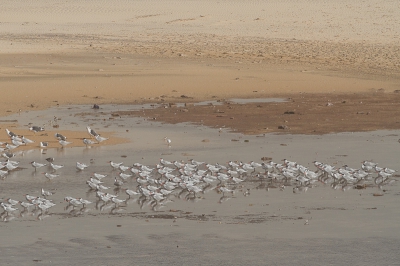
x=122 y=51
x=58 y=53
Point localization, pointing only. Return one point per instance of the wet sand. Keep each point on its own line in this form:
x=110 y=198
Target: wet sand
x=211 y=227
x=333 y=63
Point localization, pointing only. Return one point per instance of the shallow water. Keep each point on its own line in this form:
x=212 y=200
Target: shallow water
x=211 y=227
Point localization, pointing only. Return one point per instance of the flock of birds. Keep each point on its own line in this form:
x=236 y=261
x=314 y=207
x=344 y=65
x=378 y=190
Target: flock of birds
x=156 y=186
x=16 y=140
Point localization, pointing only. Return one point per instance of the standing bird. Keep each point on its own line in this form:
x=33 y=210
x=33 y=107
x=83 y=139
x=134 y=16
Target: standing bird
x=10 y=134
x=37 y=165
x=115 y=165
x=60 y=137
x=36 y=129
x=91 y=132
x=100 y=138
x=56 y=166
x=50 y=159
x=168 y=141
x=118 y=183
x=26 y=140
x=50 y=176
x=81 y=166
x=88 y=142
x=46 y=193
x=17 y=141
x=64 y=143
x=44 y=144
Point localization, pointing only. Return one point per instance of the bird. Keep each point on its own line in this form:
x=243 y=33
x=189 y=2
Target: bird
x=123 y=168
x=64 y=143
x=99 y=176
x=26 y=205
x=96 y=181
x=60 y=137
x=117 y=201
x=88 y=142
x=37 y=165
x=26 y=140
x=13 y=202
x=56 y=166
x=168 y=141
x=11 y=146
x=8 y=155
x=36 y=129
x=100 y=138
x=46 y=193
x=91 y=132
x=115 y=165
x=7 y=208
x=17 y=142
x=165 y=162
x=50 y=159
x=124 y=176
x=131 y=193
x=10 y=133
x=50 y=176
x=44 y=144
x=84 y=202
x=118 y=183
x=81 y=166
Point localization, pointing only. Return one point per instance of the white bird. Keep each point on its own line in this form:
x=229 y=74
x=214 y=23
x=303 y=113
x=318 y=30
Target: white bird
x=26 y=205
x=11 y=146
x=88 y=142
x=26 y=140
x=168 y=141
x=117 y=201
x=93 y=185
x=10 y=166
x=99 y=176
x=50 y=176
x=64 y=143
x=193 y=162
x=165 y=162
x=81 y=166
x=37 y=165
x=46 y=193
x=8 y=208
x=30 y=198
x=56 y=166
x=44 y=206
x=17 y=142
x=131 y=193
x=74 y=202
x=115 y=165
x=13 y=202
x=100 y=138
x=123 y=168
x=84 y=202
x=224 y=190
x=124 y=176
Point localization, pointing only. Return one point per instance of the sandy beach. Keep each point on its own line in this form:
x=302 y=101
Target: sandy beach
x=225 y=81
